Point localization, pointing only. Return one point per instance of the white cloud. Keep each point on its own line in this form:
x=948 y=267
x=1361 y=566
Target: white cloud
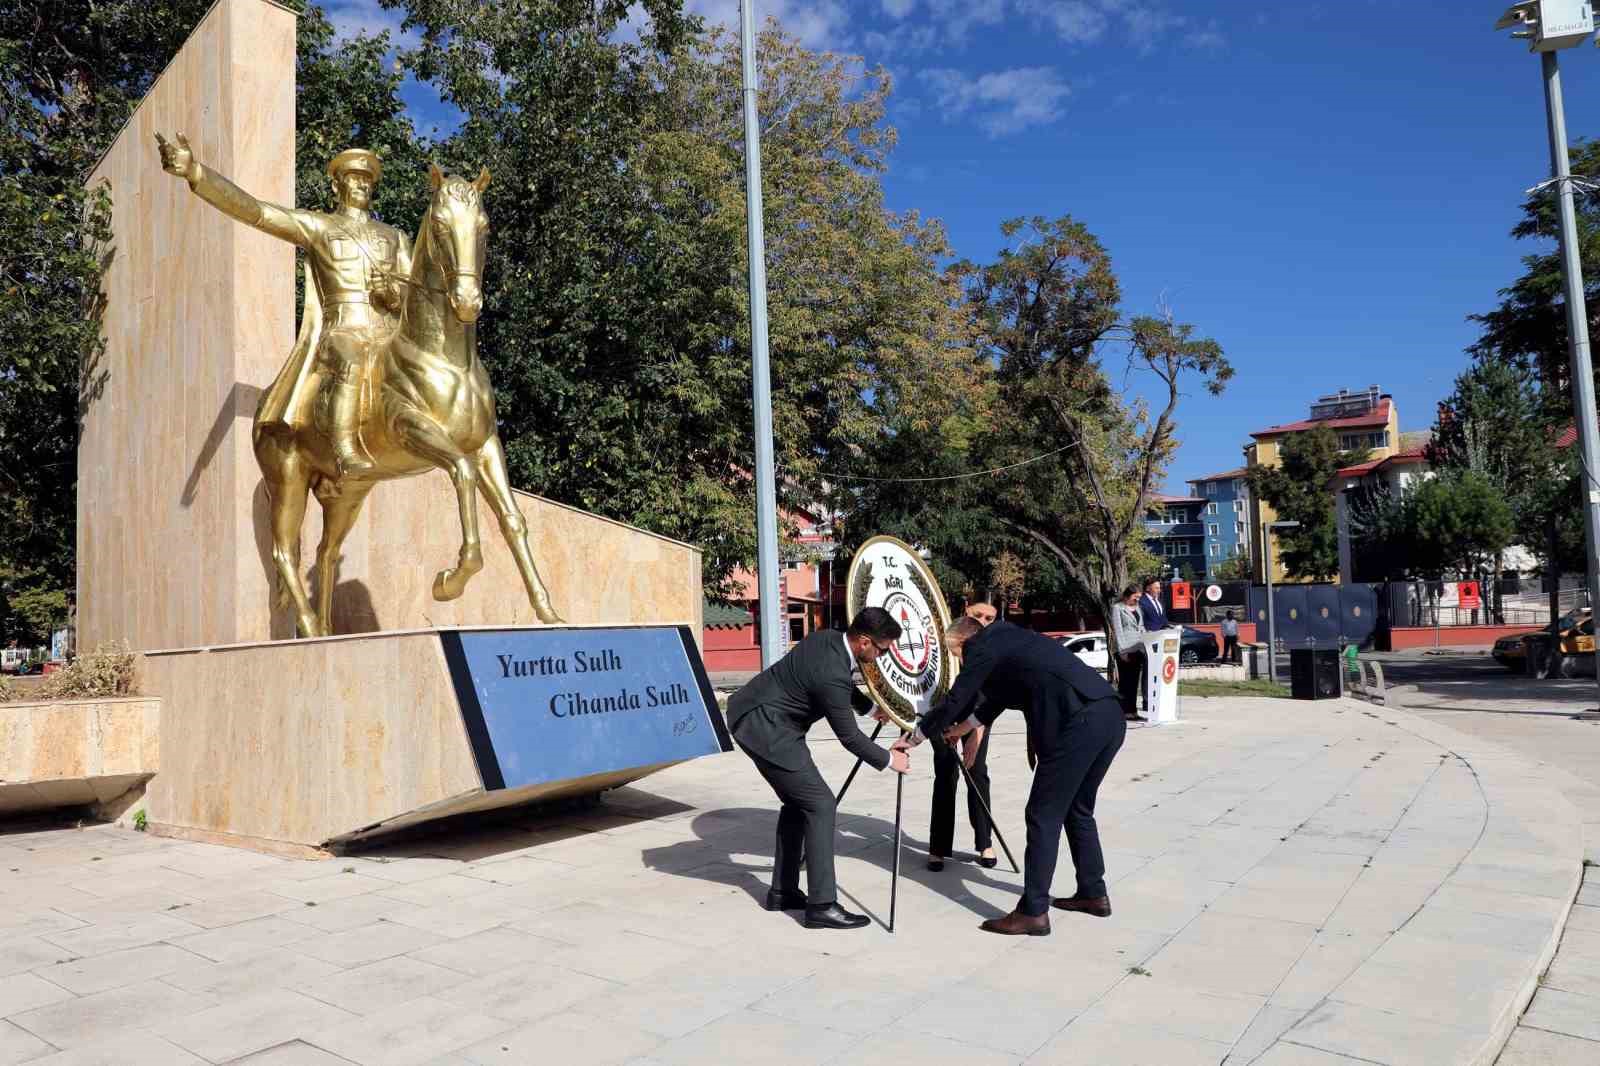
x=1003 y=101
x=351 y=18
x=957 y=18
x=898 y=9
x=1145 y=23
x=818 y=23
x=1075 y=21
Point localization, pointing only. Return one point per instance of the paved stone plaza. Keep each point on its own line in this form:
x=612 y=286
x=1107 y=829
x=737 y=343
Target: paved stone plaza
x=1295 y=884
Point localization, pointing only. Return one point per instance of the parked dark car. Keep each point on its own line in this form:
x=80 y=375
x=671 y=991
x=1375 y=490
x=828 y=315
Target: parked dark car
x=1198 y=646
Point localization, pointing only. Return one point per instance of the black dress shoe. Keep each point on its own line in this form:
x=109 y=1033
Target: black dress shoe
x=935 y=863
x=785 y=899
x=1099 y=906
x=833 y=916
x=988 y=862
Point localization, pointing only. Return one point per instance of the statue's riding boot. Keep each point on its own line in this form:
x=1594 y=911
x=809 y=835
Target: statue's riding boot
x=346 y=416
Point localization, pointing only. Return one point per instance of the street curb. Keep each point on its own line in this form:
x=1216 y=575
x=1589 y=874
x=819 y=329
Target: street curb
x=1518 y=798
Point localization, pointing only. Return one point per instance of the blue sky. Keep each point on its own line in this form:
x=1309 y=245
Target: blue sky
x=1325 y=188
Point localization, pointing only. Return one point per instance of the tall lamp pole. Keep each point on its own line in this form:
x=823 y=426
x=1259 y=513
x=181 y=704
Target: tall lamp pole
x=770 y=611
x=1549 y=26
x=1272 y=619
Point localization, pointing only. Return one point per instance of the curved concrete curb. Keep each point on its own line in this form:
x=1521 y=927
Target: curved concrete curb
x=1449 y=983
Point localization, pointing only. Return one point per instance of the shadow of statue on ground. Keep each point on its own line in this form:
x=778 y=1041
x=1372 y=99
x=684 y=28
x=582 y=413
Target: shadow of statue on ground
x=732 y=835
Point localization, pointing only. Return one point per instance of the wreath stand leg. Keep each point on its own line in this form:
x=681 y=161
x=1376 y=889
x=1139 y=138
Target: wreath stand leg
x=894 y=879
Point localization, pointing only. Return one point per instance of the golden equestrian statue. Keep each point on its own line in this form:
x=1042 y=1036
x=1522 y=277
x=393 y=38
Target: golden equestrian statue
x=384 y=380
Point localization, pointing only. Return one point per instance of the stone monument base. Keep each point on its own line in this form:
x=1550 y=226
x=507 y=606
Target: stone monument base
x=304 y=745
x=76 y=753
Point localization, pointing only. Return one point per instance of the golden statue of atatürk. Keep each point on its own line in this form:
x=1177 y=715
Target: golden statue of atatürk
x=384 y=380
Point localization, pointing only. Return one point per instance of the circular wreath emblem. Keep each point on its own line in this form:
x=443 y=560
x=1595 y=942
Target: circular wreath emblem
x=1169 y=670
x=916 y=672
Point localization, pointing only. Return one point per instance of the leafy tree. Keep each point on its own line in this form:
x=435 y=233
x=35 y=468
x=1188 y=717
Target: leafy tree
x=1298 y=490
x=1077 y=461
x=1234 y=568
x=1458 y=522
x=1529 y=327
x=1008 y=578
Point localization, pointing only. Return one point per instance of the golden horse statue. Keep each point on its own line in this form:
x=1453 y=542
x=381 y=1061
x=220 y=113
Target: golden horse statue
x=424 y=399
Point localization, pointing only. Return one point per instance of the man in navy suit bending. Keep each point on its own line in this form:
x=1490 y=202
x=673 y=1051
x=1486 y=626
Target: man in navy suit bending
x=1075 y=726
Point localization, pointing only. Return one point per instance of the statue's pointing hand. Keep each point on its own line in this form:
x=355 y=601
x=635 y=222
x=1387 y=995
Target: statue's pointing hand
x=177 y=159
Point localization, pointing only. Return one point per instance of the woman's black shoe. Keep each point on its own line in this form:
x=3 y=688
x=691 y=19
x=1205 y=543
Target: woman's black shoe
x=935 y=863
x=988 y=862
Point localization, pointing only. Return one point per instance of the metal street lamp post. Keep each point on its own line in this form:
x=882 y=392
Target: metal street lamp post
x=1549 y=26
x=771 y=613
x=1272 y=619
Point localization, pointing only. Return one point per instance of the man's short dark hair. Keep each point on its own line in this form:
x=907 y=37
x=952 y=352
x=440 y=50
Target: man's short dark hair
x=876 y=623
x=1151 y=581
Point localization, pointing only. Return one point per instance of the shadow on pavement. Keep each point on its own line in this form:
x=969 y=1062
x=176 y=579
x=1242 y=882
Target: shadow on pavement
x=860 y=837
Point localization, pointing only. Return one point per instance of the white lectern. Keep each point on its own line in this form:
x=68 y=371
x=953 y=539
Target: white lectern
x=1162 y=657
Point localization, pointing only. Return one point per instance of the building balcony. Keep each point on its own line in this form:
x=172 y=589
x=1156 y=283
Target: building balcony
x=1174 y=529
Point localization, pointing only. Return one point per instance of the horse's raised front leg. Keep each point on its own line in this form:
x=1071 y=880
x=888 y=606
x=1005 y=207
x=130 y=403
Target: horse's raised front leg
x=497 y=486
x=420 y=435
x=341 y=505
x=286 y=491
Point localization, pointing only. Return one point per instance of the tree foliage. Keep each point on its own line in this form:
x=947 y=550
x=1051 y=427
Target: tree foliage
x=1298 y=489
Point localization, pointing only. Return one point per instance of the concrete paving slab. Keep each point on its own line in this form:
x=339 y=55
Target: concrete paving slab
x=1535 y=1047
x=1568 y=1013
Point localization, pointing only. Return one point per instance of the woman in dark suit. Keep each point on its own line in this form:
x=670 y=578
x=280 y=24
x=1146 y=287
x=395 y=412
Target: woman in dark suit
x=946 y=770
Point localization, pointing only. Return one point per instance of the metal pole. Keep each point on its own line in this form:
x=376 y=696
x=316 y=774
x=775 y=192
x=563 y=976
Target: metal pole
x=993 y=828
x=771 y=612
x=894 y=880
x=1577 y=327
x=1272 y=634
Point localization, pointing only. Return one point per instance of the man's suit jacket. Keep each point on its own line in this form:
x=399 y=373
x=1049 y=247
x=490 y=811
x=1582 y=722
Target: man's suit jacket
x=770 y=715
x=1009 y=666
x=1154 y=615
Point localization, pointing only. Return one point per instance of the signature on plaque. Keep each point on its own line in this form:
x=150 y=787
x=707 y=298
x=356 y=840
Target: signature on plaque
x=684 y=726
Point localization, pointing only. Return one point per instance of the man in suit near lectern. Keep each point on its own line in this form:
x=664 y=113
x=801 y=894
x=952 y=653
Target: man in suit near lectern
x=1150 y=609
x=1075 y=725
x=769 y=718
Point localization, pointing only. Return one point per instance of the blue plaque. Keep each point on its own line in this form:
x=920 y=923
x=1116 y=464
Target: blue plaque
x=553 y=704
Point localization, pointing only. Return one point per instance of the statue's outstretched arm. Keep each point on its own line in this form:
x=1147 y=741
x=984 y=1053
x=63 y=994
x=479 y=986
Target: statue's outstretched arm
x=284 y=223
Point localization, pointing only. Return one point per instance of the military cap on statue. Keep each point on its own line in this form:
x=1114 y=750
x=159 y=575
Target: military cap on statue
x=355 y=159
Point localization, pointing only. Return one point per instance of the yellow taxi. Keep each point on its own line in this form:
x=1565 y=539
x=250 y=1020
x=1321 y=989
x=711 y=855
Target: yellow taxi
x=1577 y=640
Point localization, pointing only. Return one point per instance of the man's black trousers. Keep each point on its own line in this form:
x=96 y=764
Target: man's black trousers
x=946 y=769
x=805 y=829
x=1064 y=786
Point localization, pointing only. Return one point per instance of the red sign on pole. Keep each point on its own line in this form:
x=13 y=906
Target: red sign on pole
x=1181 y=600
x=1467 y=592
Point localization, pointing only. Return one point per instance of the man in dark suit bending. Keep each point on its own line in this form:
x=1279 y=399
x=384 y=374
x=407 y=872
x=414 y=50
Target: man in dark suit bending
x=769 y=718
x=1075 y=727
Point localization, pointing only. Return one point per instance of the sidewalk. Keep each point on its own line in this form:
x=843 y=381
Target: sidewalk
x=1294 y=883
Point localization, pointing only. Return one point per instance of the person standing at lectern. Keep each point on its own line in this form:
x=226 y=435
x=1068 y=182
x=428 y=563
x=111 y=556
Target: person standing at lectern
x=1074 y=724
x=1125 y=619
x=769 y=718
x=946 y=771
x=1150 y=609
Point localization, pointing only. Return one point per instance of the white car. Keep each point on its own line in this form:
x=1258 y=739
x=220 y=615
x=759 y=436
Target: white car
x=1090 y=647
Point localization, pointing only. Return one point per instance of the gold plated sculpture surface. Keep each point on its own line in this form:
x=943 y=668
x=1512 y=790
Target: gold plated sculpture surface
x=384 y=380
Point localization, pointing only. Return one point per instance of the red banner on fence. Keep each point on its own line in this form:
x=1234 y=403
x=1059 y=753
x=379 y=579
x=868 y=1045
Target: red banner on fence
x=1181 y=600
x=1467 y=591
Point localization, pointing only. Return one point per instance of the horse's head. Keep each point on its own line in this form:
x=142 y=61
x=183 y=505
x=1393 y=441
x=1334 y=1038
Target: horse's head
x=457 y=228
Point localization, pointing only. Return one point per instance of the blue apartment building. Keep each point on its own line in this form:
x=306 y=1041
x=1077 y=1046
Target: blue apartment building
x=1174 y=531
x=1224 y=517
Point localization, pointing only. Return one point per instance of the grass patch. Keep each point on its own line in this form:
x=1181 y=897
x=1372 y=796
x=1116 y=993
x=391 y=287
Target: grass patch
x=1269 y=689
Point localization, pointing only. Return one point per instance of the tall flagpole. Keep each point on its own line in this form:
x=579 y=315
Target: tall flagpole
x=770 y=611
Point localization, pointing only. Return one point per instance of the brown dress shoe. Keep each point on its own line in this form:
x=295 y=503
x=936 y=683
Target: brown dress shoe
x=1099 y=906
x=1018 y=924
